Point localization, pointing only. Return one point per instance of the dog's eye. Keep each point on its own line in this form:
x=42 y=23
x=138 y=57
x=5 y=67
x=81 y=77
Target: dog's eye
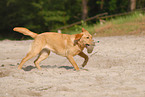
x=87 y=37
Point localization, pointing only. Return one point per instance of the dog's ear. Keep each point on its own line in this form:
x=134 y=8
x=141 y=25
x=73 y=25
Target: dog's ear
x=77 y=38
x=83 y=30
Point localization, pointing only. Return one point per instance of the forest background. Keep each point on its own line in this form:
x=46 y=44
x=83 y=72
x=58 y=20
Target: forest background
x=49 y=15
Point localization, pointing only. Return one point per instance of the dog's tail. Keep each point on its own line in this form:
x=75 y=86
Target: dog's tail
x=25 y=31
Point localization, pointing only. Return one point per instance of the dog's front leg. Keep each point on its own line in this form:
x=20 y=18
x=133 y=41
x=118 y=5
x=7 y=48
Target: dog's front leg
x=72 y=61
x=82 y=54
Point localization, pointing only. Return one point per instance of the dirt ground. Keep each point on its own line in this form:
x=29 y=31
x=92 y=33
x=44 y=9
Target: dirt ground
x=116 y=68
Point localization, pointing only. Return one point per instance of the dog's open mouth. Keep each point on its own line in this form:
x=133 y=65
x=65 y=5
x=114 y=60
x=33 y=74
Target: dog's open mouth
x=89 y=48
x=87 y=45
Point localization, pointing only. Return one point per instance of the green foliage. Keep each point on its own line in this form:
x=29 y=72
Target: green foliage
x=49 y=15
x=113 y=5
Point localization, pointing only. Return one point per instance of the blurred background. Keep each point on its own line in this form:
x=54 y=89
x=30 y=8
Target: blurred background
x=50 y=15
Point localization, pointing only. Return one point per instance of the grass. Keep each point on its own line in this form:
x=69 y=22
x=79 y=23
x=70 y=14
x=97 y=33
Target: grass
x=132 y=24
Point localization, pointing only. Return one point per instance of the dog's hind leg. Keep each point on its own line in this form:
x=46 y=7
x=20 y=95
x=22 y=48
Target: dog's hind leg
x=28 y=56
x=32 y=53
x=42 y=56
x=82 y=54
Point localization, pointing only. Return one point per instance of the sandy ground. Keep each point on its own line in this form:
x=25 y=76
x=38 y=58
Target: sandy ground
x=116 y=69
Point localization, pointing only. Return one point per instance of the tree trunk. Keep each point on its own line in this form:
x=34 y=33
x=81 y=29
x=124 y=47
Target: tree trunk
x=84 y=9
x=132 y=5
x=102 y=3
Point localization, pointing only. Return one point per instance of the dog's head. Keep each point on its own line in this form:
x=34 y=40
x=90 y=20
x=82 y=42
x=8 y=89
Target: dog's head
x=85 y=40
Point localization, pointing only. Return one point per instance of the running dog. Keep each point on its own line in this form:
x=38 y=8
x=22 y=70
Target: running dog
x=61 y=44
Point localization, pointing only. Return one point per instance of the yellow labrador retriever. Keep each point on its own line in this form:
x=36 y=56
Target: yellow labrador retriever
x=61 y=44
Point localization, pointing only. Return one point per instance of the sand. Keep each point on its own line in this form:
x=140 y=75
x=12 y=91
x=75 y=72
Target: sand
x=116 y=68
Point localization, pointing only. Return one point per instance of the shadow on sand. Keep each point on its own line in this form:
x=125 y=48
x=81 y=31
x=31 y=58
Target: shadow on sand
x=29 y=68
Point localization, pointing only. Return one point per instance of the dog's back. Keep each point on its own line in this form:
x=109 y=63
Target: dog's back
x=57 y=42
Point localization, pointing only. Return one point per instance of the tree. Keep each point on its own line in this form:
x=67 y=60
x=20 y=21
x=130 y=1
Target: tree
x=102 y=3
x=132 y=5
x=84 y=9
